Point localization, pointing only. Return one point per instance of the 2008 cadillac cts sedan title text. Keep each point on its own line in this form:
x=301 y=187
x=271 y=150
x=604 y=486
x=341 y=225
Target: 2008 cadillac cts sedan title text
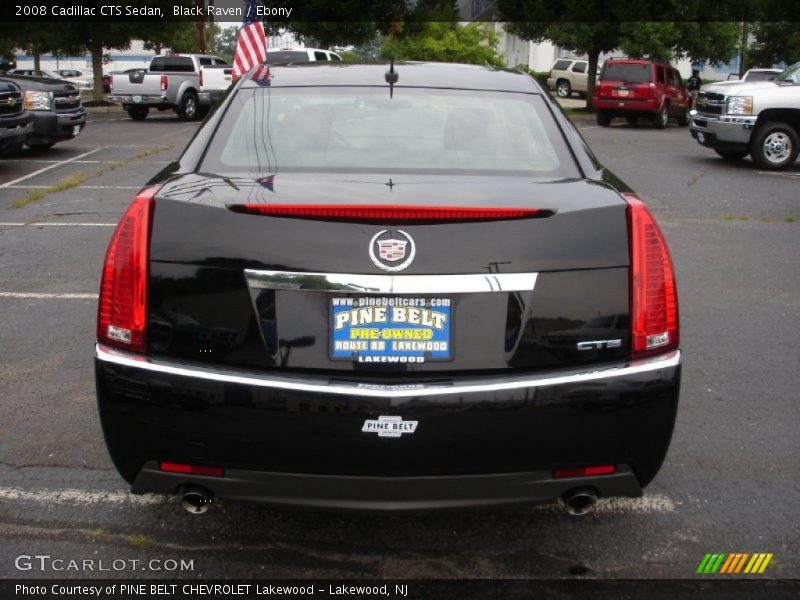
x=356 y=292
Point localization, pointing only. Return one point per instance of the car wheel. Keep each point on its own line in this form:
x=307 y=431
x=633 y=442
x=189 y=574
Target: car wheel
x=603 y=118
x=632 y=120
x=189 y=109
x=40 y=145
x=683 y=118
x=138 y=113
x=732 y=154
x=563 y=88
x=774 y=146
x=662 y=118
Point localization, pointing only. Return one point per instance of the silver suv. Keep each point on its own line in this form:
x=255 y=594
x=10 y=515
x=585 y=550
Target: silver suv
x=569 y=75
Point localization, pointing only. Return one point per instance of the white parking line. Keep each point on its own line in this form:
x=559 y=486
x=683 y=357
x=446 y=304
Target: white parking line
x=58 y=224
x=649 y=504
x=48 y=296
x=790 y=175
x=53 y=166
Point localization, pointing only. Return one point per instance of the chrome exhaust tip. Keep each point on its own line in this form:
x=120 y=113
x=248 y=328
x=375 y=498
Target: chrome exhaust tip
x=196 y=500
x=579 y=501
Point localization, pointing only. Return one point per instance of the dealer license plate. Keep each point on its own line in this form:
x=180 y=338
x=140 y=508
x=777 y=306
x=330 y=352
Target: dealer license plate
x=371 y=329
x=76 y=129
x=623 y=93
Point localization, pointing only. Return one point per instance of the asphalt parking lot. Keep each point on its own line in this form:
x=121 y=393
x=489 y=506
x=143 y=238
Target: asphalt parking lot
x=731 y=481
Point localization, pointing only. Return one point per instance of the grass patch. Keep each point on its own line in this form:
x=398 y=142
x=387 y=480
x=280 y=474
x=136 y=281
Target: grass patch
x=78 y=178
x=727 y=217
x=30 y=196
x=744 y=218
x=790 y=218
x=97 y=533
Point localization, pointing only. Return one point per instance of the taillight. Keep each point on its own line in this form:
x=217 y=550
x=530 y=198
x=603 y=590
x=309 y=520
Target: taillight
x=164 y=83
x=111 y=83
x=208 y=471
x=122 y=307
x=584 y=471
x=367 y=212
x=653 y=295
x=200 y=78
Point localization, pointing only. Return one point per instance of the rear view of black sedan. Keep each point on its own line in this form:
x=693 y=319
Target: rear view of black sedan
x=349 y=293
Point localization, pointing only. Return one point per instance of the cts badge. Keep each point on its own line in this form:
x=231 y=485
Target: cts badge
x=386 y=248
x=392 y=427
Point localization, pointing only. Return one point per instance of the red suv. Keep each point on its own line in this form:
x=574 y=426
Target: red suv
x=632 y=88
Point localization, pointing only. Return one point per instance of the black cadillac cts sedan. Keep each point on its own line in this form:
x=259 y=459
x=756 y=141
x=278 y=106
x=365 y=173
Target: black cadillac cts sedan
x=398 y=290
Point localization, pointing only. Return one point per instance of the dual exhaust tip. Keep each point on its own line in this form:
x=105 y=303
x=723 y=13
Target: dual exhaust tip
x=197 y=500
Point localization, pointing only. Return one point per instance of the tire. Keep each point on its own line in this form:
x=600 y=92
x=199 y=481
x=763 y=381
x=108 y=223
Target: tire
x=563 y=88
x=189 y=110
x=662 y=118
x=632 y=120
x=138 y=113
x=40 y=145
x=683 y=118
x=732 y=154
x=774 y=146
x=603 y=118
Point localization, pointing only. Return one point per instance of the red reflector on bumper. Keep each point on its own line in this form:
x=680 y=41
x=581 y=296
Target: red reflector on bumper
x=584 y=471
x=191 y=469
x=369 y=212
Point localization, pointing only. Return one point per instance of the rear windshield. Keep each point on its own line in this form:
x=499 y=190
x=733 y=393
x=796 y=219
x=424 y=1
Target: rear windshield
x=287 y=56
x=627 y=72
x=760 y=76
x=172 y=64
x=362 y=129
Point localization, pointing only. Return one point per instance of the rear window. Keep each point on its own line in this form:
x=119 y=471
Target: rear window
x=287 y=56
x=627 y=72
x=760 y=76
x=172 y=64
x=561 y=65
x=579 y=67
x=357 y=129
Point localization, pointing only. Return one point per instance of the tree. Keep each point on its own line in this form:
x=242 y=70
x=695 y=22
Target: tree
x=637 y=28
x=774 y=43
x=446 y=42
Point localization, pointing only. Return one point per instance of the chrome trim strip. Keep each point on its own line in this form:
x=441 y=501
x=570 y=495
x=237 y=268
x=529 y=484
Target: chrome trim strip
x=320 y=385
x=391 y=284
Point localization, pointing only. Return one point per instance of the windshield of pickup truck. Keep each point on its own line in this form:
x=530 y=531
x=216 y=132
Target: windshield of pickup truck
x=791 y=74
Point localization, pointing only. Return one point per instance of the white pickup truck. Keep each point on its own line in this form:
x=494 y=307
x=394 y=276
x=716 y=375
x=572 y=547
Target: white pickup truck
x=172 y=82
x=761 y=119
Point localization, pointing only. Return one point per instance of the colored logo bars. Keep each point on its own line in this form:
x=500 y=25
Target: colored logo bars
x=744 y=562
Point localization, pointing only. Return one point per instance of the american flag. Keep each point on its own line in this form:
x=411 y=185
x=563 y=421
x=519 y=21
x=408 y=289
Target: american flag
x=251 y=47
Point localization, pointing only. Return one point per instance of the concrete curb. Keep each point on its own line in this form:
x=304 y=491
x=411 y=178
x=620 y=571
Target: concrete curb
x=117 y=108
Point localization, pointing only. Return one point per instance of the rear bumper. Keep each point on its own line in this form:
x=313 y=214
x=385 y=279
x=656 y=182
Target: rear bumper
x=385 y=494
x=625 y=106
x=209 y=98
x=298 y=439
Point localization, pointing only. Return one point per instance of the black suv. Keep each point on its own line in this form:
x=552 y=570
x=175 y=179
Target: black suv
x=58 y=113
x=16 y=123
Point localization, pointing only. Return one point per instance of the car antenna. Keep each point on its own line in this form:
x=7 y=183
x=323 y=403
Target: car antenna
x=391 y=78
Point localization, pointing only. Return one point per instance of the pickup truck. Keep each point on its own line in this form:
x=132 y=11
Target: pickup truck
x=56 y=106
x=761 y=119
x=16 y=123
x=214 y=81
x=169 y=83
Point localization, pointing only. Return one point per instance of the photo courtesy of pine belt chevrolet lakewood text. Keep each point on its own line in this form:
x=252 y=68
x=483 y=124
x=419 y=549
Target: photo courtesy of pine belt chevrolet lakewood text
x=387 y=288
